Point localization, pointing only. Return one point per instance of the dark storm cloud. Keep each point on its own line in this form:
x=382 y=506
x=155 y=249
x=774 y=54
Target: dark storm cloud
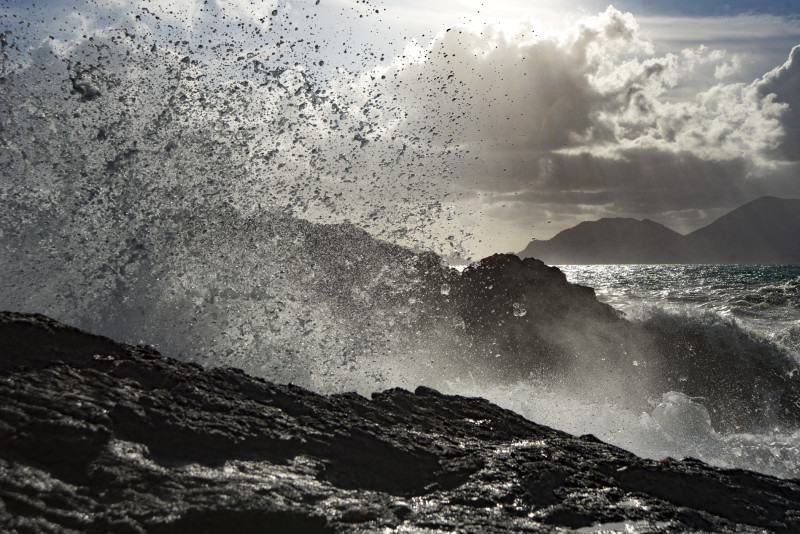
x=650 y=183
x=652 y=180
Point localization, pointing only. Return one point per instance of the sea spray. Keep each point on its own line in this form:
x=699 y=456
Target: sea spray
x=165 y=193
x=645 y=430
x=763 y=299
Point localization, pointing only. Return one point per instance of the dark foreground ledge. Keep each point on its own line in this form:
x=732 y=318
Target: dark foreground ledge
x=97 y=436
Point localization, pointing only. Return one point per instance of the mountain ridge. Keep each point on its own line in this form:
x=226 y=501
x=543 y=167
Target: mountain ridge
x=762 y=231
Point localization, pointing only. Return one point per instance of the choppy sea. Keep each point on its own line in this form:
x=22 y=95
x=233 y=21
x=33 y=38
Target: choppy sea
x=763 y=300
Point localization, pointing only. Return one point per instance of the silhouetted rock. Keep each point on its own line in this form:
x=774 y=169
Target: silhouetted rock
x=504 y=279
x=762 y=232
x=97 y=436
x=522 y=309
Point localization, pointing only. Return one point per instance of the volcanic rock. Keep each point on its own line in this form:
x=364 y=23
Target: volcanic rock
x=523 y=308
x=97 y=436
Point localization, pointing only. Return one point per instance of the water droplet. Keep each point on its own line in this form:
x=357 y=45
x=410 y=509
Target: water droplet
x=445 y=289
x=519 y=310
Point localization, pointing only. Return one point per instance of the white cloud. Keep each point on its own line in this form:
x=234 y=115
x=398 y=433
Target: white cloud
x=632 y=131
x=783 y=83
x=599 y=88
x=760 y=41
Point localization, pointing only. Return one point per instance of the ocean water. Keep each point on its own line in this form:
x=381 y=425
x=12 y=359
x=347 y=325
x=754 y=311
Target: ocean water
x=761 y=300
x=207 y=193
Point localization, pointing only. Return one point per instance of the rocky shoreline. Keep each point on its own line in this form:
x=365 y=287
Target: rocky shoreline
x=97 y=436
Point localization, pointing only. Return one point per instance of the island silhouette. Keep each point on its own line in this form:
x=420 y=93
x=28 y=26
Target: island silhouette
x=764 y=231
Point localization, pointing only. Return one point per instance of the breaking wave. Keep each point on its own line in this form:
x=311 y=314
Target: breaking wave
x=161 y=192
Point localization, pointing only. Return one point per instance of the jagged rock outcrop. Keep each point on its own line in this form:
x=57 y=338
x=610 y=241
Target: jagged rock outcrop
x=520 y=310
x=544 y=291
x=97 y=436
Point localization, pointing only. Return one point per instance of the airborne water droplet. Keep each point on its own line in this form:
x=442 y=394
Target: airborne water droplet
x=519 y=311
x=445 y=289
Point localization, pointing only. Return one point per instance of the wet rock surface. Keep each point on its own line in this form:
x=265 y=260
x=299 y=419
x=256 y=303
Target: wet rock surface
x=97 y=436
x=525 y=311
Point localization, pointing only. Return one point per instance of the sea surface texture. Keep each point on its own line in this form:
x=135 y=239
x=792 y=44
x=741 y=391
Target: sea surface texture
x=762 y=300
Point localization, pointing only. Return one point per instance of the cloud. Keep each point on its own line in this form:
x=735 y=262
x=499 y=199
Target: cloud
x=760 y=41
x=783 y=85
x=596 y=88
x=595 y=118
x=482 y=130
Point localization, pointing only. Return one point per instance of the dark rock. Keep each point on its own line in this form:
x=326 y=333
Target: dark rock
x=105 y=437
x=521 y=309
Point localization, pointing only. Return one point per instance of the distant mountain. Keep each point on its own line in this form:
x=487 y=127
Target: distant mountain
x=766 y=230
x=610 y=241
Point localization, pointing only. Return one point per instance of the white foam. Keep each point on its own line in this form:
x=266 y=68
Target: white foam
x=676 y=426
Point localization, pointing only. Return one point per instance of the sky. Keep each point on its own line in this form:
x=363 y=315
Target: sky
x=516 y=119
